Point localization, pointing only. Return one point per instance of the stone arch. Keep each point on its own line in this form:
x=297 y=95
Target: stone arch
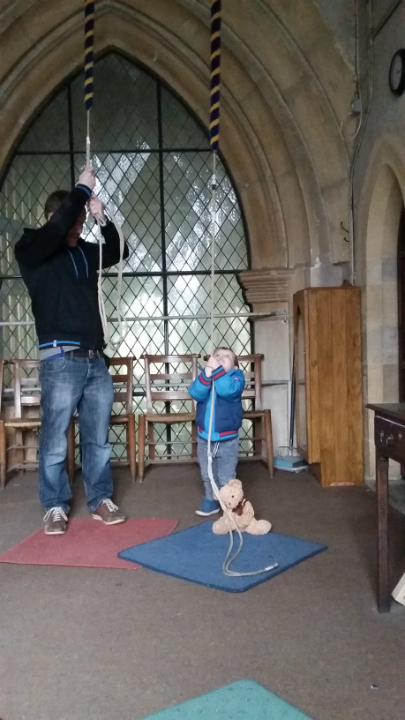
x=383 y=201
x=293 y=197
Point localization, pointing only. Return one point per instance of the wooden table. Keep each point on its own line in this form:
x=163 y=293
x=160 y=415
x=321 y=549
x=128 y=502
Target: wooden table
x=389 y=438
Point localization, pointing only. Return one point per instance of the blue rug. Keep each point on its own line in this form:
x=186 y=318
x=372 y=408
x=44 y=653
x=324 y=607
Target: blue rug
x=243 y=700
x=196 y=555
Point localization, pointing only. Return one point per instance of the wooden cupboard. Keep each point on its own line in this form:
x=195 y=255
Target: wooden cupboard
x=328 y=398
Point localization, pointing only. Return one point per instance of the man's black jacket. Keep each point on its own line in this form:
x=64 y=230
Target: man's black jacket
x=62 y=281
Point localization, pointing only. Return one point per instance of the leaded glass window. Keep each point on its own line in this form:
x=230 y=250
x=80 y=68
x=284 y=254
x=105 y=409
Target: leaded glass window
x=153 y=172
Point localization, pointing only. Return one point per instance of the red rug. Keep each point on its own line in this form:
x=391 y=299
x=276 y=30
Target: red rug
x=88 y=543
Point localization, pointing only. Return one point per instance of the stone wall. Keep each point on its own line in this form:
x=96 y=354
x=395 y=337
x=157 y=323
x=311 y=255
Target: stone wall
x=287 y=83
x=379 y=189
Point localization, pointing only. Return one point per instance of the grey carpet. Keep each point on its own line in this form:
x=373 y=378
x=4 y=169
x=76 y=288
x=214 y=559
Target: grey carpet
x=118 y=645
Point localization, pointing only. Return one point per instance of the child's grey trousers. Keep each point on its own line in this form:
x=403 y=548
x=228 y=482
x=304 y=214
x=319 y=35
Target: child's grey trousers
x=224 y=462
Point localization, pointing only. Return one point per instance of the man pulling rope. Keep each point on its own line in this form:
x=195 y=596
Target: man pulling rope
x=60 y=271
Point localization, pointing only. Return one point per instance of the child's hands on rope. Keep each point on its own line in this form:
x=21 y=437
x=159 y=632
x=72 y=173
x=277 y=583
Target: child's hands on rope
x=96 y=207
x=87 y=177
x=212 y=364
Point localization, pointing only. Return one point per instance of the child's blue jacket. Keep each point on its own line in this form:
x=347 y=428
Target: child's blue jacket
x=227 y=405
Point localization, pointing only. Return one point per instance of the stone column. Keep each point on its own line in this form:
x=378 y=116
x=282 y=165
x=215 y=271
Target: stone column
x=268 y=291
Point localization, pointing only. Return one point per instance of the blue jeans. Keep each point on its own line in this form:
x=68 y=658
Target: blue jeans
x=224 y=462
x=67 y=384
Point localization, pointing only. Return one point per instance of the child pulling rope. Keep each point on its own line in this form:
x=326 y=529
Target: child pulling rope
x=215 y=97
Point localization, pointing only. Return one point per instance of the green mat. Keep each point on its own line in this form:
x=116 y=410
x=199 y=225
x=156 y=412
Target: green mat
x=242 y=700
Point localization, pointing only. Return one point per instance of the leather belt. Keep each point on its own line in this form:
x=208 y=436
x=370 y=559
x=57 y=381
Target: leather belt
x=82 y=352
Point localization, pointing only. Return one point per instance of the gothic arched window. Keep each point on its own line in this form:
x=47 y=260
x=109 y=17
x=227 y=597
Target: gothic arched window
x=153 y=165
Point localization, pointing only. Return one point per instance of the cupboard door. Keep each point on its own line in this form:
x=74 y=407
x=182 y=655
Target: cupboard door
x=327 y=338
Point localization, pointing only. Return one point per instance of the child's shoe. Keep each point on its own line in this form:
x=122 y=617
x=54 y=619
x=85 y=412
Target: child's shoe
x=208 y=507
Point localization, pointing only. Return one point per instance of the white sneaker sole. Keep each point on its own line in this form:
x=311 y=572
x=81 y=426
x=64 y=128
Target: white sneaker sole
x=206 y=514
x=54 y=532
x=116 y=521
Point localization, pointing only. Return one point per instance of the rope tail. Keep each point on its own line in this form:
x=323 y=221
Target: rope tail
x=215 y=107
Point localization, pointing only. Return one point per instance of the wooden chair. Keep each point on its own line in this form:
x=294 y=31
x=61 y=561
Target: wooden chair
x=167 y=387
x=123 y=393
x=25 y=396
x=123 y=387
x=251 y=366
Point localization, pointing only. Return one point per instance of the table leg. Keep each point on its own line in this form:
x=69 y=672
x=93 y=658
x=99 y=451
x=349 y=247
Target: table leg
x=382 y=551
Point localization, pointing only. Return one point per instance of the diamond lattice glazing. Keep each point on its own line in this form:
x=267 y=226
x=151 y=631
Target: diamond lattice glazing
x=153 y=173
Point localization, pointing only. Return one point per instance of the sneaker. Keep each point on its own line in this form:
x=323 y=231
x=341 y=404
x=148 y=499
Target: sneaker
x=108 y=513
x=208 y=507
x=55 y=521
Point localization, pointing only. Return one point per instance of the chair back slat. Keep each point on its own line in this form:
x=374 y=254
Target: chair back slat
x=177 y=359
x=171 y=395
x=31 y=400
x=120 y=379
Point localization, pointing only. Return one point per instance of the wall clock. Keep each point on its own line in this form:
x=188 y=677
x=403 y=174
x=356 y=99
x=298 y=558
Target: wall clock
x=396 y=74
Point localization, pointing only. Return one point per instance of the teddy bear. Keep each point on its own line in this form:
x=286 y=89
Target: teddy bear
x=241 y=510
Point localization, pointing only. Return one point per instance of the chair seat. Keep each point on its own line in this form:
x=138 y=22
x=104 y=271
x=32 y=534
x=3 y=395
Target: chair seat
x=114 y=419
x=171 y=460
x=170 y=417
x=23 y=422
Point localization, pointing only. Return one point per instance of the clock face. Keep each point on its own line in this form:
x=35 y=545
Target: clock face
x=397 y=73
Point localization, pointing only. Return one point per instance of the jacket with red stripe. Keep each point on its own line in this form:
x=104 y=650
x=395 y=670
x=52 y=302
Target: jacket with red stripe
x=228 y=388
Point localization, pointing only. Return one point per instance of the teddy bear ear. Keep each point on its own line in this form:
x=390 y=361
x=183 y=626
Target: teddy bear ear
x=235 y=483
